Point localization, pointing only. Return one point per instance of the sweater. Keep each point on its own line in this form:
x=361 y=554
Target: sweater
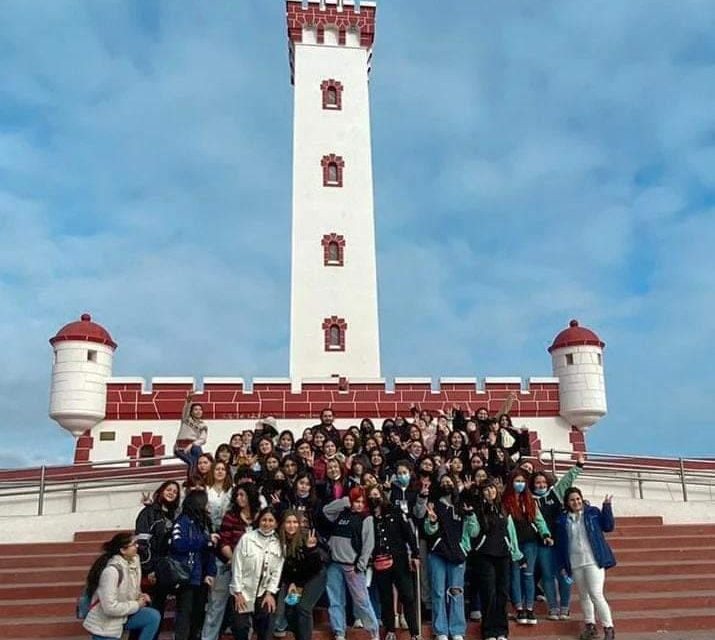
x=117 y=599
x=353 y=538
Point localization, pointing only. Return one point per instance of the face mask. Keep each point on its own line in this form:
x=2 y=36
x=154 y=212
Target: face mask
x=403 y=479
x=292 y=599
x=540 y=492
x=445 y=491
x=279 y=484
x=373 y=502
x=519 y=486
x=301 y=493
x=256 y=466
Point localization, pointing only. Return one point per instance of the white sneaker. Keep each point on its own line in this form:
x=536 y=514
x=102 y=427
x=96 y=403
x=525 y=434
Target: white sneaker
x=502 y=638
x=279 y=634
x=358 y=624
x=476 y=616
x=402 y=621
x=390 y=635
x=457 y=637
x=441 y=637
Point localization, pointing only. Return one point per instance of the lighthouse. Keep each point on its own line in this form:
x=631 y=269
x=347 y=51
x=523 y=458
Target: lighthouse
x=334 y=317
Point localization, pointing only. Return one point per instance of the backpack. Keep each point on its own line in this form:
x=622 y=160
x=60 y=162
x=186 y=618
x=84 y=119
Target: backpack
x=84 y=603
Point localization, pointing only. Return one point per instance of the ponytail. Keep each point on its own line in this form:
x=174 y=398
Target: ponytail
x=110 y=549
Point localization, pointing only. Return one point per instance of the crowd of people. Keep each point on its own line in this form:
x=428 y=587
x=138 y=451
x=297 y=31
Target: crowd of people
x=435 y=519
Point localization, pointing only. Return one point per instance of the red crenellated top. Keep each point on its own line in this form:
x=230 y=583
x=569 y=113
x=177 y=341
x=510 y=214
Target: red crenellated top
x=575 y=336
x=343 y=15
x=84 y=330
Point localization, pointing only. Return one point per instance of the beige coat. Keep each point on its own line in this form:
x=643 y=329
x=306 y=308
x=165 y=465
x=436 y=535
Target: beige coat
x=117 y=600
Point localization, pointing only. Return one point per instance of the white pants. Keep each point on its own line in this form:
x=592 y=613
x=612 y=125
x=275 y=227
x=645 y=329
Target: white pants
x=590 y=579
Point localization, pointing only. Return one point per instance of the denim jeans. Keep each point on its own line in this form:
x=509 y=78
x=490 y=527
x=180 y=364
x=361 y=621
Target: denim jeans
x=190 y=458
x=340 y=576
x=300 y=617
x=563 y=582
x=146 y=621
x=523 y=589
x=217 y=600
x=447 y=596
x=545 y=560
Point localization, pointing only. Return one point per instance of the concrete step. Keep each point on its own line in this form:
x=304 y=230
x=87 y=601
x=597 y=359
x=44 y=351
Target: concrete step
x=34 y=575
x=49 y=548
x=659 y=584
x=661 y=568
x=59 y=560
x=645 y=555
x=97 y=536
x=663 y=530
x=662 y=543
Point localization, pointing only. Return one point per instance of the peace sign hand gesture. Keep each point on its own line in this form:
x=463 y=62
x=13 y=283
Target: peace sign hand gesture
x=312 y=540
x=431 y=515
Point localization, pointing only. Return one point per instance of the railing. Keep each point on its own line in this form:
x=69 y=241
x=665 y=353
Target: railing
x=637 y=470
x=47 y=480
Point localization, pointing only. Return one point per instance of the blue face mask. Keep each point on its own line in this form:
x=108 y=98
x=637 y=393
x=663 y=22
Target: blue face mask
x=519 y=487
x=403 y=479
x=292 y=599
x=540 y=492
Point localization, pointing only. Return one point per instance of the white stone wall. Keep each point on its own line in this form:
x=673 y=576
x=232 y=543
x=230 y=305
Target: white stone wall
x=317 y=291
x=78 y=390
x=581 y=385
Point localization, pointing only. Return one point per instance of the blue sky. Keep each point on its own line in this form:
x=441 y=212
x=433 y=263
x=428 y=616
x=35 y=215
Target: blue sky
x=531 y=165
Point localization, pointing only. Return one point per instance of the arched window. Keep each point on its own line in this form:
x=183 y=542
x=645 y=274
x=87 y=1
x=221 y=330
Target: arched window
x=333 y=250
x=332 y=94
x=146 y=456
x=334 y=336
x=334 y=329
x=332 y=170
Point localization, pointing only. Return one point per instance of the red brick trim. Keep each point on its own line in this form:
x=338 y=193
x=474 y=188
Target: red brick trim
x=334 y=327
x=578 y=441
x=332 y=170
x=137 y=442
x=333 y=250
x=363 y=21
x=332 y=94
x=84 y=445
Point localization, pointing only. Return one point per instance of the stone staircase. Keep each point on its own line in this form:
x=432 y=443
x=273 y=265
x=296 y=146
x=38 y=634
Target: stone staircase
x=663 y=587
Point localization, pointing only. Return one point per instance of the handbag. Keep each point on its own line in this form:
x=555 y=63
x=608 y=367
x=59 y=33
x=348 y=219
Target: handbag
x=383 y=562
x=173 y=572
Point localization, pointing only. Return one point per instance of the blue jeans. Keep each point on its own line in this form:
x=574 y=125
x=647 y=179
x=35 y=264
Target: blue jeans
x=545 y=560
x=216 y=603
x=447 y=596
x=190 y=458
x=146 y=621
x=523 y=589
x=340 y=576
x=564 y=584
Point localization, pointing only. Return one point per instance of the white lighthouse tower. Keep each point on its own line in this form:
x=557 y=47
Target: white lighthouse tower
x=334 y=320
x=83 y=358
x=577 y=361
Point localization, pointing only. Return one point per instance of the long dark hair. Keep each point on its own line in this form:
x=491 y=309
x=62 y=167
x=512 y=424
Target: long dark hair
x=158 y=498
x=254 y=502
x=109 y=549
x=194 y=508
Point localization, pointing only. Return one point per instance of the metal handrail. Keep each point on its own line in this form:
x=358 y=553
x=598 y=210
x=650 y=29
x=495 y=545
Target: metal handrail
x=649 y=473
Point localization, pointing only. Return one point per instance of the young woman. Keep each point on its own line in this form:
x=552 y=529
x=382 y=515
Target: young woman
x=239 y=520
x=203 y=468
x=256 y=571
x=496 y=546
x=116 y=602
x=306 y=457
x=351 y=543
x=192 y=544
x=285 y=444
x=218 y=493
x=290 y=467
x=329 y=452
x=303 y=577
x=449 y=526
x=377 y=465
x=308 y=435
x=354 y=472
x=584 y=555
x=301 y=498
x=223 y=453
x=332 y=489
x=531 y=531
x=153 y=528
x=192 y=432
x=393 y=566
x=549 y=496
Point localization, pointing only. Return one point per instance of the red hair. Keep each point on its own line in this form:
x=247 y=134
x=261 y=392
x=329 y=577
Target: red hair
x=520 y=506
x=356 y=493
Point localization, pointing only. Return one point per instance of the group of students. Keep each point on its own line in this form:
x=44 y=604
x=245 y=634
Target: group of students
x=393 y=525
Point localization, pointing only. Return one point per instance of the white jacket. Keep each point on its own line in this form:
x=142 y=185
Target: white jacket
x=256 y=566
x=117 y=600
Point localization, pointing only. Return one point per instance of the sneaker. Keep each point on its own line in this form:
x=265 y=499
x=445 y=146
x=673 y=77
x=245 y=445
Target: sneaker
x=476 y=616
x=339 y=637
x=541 y=598
x=390 y=635
x=358 y=624
x=502 y=638
x=589 y=632
x=609 y=633
x=402 y=621
x=279 y=634
x=554 y=614
x=530 y=617
x=521 y=617
x=565 y=614
x=440 y=637
x=457 y=637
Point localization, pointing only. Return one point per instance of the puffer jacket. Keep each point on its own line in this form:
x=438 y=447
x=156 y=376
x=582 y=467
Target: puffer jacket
x=597 y=522
x=256 y=566
x=117 y=598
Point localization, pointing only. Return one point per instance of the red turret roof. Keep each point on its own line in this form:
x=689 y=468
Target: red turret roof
x=86 y=330
x=575 y=336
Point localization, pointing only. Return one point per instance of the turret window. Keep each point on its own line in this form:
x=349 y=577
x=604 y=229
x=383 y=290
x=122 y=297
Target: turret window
x=569 y=358
x=333 y=250
x=91 y=356
x=334 y=329
x=332 y=170
x=332 y=94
